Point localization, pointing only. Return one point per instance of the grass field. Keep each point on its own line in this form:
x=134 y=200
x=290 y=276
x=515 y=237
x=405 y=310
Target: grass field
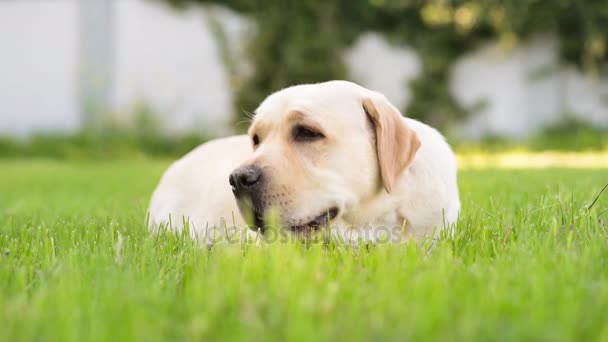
x=528 y=262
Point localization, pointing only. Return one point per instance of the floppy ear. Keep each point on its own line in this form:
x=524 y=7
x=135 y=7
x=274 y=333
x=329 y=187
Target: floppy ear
x=396 y=143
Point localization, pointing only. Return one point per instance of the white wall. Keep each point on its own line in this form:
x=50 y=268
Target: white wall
x=516 y=102
x=164 y=58
x=585 y=97
x=525 y=89
x=38 y=65
x=376 y=64
x=169 y=60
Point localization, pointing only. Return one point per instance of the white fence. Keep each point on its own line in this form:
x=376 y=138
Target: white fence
x=60 y=58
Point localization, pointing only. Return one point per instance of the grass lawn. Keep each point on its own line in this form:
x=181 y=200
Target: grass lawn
x=528 y=262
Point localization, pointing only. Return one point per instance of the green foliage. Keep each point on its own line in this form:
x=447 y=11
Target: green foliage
x=108 y=140
x=570 y=134
x=302 y=40
x=528 y=262
x=281 y=57
x=117 y=143
x=99 y=145
x=567 y=135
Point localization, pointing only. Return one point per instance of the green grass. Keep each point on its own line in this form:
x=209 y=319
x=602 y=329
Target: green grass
x=528 y=262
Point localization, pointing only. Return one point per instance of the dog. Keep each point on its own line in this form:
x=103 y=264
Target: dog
x=332 y=153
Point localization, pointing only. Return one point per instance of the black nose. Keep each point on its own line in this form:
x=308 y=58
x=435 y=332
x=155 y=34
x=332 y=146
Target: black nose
x=245 y=178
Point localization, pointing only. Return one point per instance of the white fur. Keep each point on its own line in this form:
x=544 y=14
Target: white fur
x=195 y=188
x=425 y=196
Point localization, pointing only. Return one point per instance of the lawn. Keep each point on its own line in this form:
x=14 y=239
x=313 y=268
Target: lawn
x=528 y=261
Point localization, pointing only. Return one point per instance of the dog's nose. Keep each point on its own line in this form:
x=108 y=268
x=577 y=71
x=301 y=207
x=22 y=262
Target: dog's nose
x=245 y=178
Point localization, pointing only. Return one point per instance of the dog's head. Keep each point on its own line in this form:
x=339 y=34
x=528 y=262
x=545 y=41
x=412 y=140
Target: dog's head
x=320 y=150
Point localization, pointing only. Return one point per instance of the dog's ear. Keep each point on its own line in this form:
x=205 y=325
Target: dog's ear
x=396 y=143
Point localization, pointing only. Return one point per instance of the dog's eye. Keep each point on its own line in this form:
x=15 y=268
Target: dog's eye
x=256 y=140
x=301 y=133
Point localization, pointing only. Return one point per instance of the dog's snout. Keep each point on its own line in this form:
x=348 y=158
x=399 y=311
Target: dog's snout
x=245 y=178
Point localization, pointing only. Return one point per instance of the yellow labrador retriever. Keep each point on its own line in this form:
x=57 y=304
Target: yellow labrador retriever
x=332 y=151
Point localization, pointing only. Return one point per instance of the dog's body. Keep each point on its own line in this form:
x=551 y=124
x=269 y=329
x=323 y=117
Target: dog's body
x=196 y=187
x=332 y=150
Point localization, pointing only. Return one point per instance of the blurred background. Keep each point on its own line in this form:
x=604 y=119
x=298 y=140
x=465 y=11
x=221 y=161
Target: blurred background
x=101 y=78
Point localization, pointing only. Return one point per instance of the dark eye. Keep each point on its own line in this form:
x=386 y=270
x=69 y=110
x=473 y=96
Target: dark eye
x=256 y=140
x=305 y=134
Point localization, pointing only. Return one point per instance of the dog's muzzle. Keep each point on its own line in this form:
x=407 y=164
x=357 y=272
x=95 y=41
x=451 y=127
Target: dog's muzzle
x=246 y=182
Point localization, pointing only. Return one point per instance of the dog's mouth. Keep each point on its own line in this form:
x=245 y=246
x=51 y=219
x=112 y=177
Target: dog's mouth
x=258 y=221
x=317 y=223
x=320 y=221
